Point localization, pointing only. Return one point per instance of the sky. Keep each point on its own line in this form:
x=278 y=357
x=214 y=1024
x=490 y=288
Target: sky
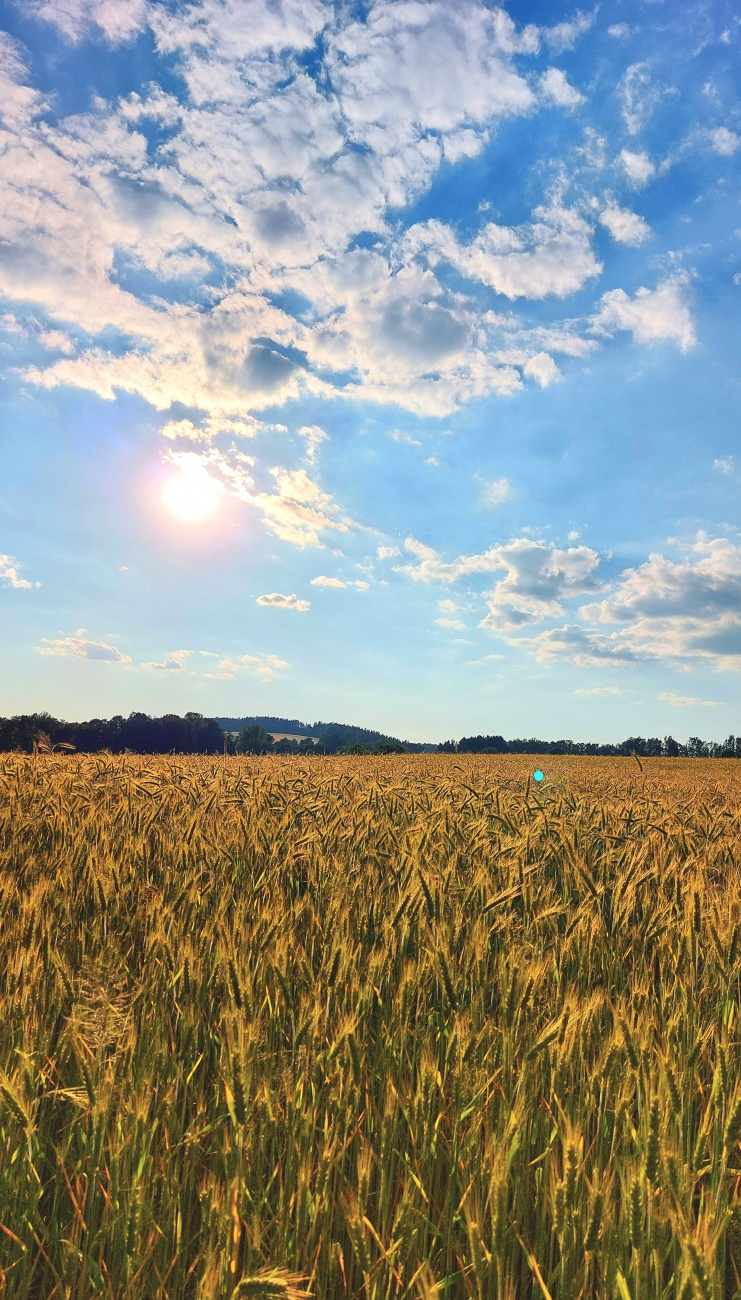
x=372 y=362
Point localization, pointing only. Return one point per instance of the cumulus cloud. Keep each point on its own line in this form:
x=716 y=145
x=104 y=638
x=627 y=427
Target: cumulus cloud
x=687 y=609
x=172 y=663
x=725 y=142
x=387 y=552
x=552 y=255
x=542 y=368
x=238 y=205
x=684 y=701
x=78 y=646
x=724 y=464
x=625 y=226
x=338 y=583
x=576 y=645
x=637 y=166
x=555 y=87
x=653 y=315
x=10 y=577
x=538 y=577
x=117 y=21
x=275 y=601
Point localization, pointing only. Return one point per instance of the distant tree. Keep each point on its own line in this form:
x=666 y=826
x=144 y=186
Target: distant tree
x=672 y=747
x=696 y=748
x=354 y=748
x=478 y=744
x=447 y=747
x=254 y=740
x=390 y=747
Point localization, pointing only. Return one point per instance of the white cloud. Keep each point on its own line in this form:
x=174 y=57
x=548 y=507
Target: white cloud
x=637 y=166
x=266 y=174
x=173 y=662
x=10 y=576
x=455 y=623
x=338 y=583
x=725 y=464
x=575 y=645
x=264 y=666
x=494 y=491
x=550 y=256
x=598 y=690
x=432 y=460
x=213 y=426
x=684 y=701
x=640 y=97
x=690 y=609
x=538 y=577
x=618 y=30
x=625 y=226
x=78 y=646
x=298 y=511
x=725 y=142
x=555 y=87
x=387 y=552
x=314 y=438
x=323 y=581
x=565 y=35
x=117 y=21
x=275 y=601
x=652 y=316
x=57 y=341
x=542 y=368
x=447 y=606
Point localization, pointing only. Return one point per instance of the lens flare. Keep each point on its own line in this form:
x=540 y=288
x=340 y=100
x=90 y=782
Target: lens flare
x=538 y=776
x=191 y=495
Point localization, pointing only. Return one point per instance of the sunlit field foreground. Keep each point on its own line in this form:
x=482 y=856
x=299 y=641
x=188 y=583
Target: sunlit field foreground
x=369 y=1028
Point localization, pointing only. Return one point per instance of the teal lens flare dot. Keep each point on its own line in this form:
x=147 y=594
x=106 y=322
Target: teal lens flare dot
x=538 y=776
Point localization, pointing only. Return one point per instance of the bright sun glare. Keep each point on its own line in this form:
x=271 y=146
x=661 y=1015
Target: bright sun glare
x=191 y=495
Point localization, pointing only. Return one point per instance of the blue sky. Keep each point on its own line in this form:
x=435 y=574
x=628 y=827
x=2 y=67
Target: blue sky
x=372 y=362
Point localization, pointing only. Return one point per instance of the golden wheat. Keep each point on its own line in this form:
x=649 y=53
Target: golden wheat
x=369 y=1027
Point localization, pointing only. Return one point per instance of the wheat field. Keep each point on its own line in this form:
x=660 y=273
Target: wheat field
x=369 y=1027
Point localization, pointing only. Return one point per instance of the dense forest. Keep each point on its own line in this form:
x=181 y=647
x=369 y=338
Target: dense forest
x=332 y=735
x=194 y=734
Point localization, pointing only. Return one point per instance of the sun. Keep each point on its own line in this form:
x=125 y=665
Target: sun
x=191 y=495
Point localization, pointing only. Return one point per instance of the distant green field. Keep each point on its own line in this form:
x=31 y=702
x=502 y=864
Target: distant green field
x=370 y=1027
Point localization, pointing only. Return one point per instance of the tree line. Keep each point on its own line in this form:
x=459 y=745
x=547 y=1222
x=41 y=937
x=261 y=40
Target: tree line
x=140 y=734
x=653 y=747
x=194 y=734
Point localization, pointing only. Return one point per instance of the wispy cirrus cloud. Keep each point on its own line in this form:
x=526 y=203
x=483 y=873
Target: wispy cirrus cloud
x=685 y=701
x=262 y=666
